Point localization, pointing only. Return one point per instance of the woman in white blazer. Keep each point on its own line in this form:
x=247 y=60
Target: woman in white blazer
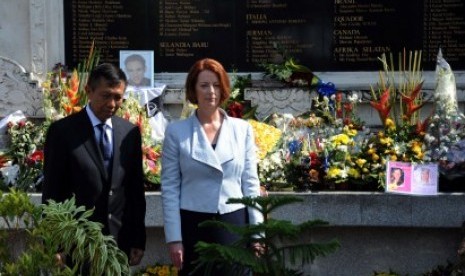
x=207 y=159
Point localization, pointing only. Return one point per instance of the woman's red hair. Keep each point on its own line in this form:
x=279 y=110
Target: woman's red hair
x=210 y=65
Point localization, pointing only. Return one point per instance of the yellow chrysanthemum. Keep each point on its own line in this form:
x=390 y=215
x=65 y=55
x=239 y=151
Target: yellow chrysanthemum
x=266 y=137
x=340 y=139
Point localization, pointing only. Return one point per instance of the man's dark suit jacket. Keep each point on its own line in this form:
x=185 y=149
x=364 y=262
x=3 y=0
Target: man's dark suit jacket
x=73 y=165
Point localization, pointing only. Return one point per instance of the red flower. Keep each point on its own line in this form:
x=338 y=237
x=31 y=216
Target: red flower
x=339 y=97
x=383 y=107
x=3 y=160
x=410 y=101
x=235 y=109
x=348 y=107
x=314 y=160
x=21 y=123
x=151 y=154
x=36 y=157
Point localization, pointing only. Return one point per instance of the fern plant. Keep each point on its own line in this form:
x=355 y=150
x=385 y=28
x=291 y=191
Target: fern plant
x=279 y=239
x=51 y=228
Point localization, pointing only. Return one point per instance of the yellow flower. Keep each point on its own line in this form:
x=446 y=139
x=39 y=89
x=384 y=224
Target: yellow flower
x=386 y=141
x=392 y=187
x=340 y=139
x=266 y=137
x=350 y=131
x=333 y=172
x=354 y=173
x=393 y=157
x=375 y=157
x=416 y=147
x=390 y=125
x=360 y=162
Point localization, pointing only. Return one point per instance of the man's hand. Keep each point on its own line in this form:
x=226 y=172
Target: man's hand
x=176 y=254
x=135 y=256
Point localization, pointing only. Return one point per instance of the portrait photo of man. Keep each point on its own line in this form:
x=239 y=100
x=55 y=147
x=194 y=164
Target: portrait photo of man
x=138 y=66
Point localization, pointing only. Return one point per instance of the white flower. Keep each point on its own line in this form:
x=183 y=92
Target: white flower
x=353 y=98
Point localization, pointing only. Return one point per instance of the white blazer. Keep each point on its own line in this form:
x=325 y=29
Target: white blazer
x=198 y=178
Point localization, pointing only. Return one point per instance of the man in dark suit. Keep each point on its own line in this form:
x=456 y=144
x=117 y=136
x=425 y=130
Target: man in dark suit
x=97 y=157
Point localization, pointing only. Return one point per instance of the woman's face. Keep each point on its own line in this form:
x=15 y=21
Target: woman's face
x=208 y=90
x=396 y=174
x=425 y=175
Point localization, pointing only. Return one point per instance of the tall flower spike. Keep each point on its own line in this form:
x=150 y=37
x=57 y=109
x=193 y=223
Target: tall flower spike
x=382 y=106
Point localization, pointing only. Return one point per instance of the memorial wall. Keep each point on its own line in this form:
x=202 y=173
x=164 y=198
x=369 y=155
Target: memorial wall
x=337 y=35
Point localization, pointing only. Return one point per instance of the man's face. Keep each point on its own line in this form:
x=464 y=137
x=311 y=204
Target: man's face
x=135 y=71
x=105 y=100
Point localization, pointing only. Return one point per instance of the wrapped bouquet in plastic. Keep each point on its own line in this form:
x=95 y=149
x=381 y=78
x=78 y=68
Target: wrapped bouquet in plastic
x=445 y=138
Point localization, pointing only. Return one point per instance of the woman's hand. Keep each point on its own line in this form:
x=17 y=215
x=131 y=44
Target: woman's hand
x=176 y=254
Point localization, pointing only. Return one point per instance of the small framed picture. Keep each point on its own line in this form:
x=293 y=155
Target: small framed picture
x=138 y=66
x=413 y=179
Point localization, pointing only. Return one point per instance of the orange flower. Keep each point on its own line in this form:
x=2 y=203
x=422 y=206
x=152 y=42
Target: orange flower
x=74 y=101
x=68 y=108
x=74 y=82
x=76 y=109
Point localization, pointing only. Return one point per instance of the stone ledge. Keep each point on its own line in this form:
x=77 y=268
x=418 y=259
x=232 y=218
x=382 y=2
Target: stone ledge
x=354 y=209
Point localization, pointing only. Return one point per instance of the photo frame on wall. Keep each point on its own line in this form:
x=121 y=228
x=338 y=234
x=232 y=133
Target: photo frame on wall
x=138 y=66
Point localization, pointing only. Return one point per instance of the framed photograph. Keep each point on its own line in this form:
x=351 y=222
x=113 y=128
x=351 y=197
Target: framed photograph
x=410 y=178
x=138 y=66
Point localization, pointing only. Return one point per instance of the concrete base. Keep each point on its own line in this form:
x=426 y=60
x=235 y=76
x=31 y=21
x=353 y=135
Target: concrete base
x=377 y=231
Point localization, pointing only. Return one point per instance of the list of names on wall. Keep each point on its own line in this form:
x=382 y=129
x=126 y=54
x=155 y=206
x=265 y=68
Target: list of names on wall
x=356 y=37
x=91 y=21
x=444 y=26
x=188 y=29
x=336 y=35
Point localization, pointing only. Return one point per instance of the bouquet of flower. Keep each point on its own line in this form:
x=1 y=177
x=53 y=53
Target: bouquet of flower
x=270 y=158
x=398 y=101
x=23 y=162
x=151 y=149
x=64 y=93
x=299 y=156
x=445 y=138
x=338 y=151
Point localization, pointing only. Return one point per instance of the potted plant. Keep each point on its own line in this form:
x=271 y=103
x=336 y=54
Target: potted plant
x=43 y=230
